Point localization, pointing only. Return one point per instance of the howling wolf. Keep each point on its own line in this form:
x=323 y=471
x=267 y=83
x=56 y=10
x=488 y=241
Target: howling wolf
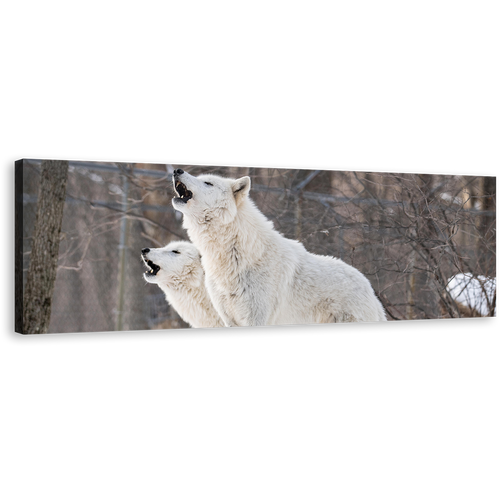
x=254 y=275
x=177 y=270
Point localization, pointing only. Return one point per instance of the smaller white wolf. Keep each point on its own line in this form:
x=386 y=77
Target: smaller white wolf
x=177 y=270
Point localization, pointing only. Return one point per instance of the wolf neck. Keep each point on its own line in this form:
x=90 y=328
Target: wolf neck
x=193 y=304
x=248 y=234
x=183 y=290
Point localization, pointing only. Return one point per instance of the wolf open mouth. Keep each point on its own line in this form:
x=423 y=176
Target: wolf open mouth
x=182 y=191
x=153 y=268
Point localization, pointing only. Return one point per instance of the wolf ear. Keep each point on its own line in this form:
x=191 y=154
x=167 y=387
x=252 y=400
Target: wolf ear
x=241 y=187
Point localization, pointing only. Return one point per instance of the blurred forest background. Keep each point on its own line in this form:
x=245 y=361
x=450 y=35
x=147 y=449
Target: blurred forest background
x=427 y=243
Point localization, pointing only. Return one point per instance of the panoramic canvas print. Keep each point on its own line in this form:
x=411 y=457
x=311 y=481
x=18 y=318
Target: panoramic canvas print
x=106 y=246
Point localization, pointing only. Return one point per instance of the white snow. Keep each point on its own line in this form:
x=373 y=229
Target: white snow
x=453 y=199
x=473 y=291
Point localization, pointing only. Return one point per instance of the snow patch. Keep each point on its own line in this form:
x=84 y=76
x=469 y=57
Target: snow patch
x=473 y=291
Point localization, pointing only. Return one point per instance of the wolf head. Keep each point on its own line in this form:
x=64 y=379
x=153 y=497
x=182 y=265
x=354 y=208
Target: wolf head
x=209 y=197
x=177 y=264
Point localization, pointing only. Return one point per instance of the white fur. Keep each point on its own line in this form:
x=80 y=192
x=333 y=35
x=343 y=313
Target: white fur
x=182 y=279
x=254 y=275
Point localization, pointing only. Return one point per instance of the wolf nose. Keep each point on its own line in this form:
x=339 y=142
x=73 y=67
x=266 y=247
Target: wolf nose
x=178 y=171
x=145 y=251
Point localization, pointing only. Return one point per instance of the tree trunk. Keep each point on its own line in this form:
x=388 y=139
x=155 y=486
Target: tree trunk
x=45 y=249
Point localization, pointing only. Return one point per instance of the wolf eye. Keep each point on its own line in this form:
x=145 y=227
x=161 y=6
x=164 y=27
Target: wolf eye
x=176 y=251
x=208 y=183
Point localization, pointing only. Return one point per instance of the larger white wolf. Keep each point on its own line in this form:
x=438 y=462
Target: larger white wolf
x=254 y=275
